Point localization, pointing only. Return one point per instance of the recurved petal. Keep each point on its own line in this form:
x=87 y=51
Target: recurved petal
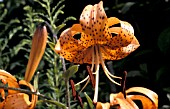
x=122 y=44
x=6 y=74
x=13 y=84
x=116 y=52
x=112 y=21
x=67 y=40
x=2 y=92
x=124 y=37
x=149 y=93
x=17 y=101
x=146 y=102
x=34 y=98
x=94 y=25
x=119 y=99
x=7 y=78
x=78 y=56
x=102 y=105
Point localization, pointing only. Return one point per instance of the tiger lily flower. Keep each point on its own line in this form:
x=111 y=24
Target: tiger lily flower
x=101 y=39
x=148 y=98
x=16 y=99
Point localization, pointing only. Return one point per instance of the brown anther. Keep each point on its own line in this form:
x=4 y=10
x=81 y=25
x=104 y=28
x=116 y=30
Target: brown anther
x=91 y=76
x=123 y=83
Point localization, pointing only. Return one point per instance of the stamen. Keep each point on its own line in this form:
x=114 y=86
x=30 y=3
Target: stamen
x=97 y=75
x=108 y=74
x=104 y=68
x=84 y=85
x=87 y=77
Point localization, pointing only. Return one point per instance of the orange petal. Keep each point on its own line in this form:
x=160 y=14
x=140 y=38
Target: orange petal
x=2 y=104
x=94 y=25
x=121 y=45
x=113 y=21
x=149 y=93
x=125 y=35
x=6 y=74
x=37 y=51
x=13 y=84
x=2 y=94
x=116 y=53
x=68 y=42
x=102 y=105
x=124 y=103
x=76 y=27
x=34 y=97
x=17 y=101
x=81 y=56
x=113 y=97
x=7 y=78
x=146 y=102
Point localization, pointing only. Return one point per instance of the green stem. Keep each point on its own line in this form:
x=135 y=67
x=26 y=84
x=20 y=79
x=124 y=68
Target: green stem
x=67 y=85
x=24 y=91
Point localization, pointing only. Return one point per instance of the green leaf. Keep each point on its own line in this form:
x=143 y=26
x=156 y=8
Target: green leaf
x=162 y=73
x=164 y=40
x=59 y=27
x=3 y=14
x=90 y=102
x=127 y=7
x=167 y=89
x=36 y=81
x=59 y=104
x=70 y=71
x=52 y=45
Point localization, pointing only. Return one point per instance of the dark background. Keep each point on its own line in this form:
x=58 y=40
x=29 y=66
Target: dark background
x=150 y=19
x=149 y=65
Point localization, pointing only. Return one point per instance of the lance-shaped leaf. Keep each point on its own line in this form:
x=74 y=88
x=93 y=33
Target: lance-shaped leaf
x=70 y=71
x=37 y=50
x=89 y=100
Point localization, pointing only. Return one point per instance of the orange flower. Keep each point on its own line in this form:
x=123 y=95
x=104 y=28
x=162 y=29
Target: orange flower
x=100 y=40
x=15 y=99
x=148 y=98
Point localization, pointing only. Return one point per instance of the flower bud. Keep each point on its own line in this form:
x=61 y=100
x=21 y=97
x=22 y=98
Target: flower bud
x=37 y=51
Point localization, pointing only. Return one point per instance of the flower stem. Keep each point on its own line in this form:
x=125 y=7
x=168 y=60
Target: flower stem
x=24 y=91
x=67 y=85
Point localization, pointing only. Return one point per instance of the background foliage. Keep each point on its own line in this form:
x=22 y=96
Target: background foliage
x=148 y=66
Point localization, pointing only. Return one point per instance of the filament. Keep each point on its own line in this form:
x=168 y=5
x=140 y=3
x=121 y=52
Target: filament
x=108 y=74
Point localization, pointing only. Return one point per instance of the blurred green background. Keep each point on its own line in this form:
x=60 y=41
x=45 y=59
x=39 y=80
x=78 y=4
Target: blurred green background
x=148 y=66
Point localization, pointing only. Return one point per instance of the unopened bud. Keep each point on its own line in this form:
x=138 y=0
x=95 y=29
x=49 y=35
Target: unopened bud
x=37 y=50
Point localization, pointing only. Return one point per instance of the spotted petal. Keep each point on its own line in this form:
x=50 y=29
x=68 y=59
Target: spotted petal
x=94 y=28
x=94 y=25
x=17 y=101
x=121 y=45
